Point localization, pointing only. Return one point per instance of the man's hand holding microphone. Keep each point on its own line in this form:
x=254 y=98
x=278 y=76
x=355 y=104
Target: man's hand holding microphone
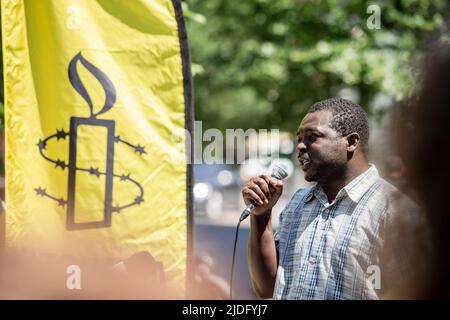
x=262 y=193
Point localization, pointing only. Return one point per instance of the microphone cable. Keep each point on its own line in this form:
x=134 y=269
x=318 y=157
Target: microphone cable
x=234 y=256
x=279 y=172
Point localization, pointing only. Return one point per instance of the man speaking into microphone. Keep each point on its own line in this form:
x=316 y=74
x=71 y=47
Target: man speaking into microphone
x=331 y=236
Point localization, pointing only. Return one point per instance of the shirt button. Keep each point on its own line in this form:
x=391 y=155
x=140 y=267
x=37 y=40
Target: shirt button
x=312 y=260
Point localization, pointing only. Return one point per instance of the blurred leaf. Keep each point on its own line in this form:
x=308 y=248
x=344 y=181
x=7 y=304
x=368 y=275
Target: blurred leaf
x=265 y=62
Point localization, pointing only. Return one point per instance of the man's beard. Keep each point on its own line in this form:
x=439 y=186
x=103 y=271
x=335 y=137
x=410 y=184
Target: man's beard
x=325 y=172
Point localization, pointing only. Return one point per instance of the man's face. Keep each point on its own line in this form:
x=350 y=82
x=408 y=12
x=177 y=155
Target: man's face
x=322 y=151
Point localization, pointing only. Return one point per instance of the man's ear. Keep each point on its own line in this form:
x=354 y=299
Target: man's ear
x=352 y=141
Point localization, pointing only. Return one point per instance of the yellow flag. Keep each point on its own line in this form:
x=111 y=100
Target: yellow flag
x=97 y=100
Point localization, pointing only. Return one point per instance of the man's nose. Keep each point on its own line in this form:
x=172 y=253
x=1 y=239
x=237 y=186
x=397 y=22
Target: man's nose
x=301 y=146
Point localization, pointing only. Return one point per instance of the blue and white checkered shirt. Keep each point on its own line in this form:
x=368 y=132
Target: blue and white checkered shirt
x=329 y=251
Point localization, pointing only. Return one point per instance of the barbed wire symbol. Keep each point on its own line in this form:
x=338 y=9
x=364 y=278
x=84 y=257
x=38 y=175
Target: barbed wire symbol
x=92 y=120
x=61 y=134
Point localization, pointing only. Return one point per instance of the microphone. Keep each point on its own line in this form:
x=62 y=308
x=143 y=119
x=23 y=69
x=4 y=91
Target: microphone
x=278 y=172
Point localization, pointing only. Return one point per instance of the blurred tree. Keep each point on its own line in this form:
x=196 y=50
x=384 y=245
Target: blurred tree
x=262 y=63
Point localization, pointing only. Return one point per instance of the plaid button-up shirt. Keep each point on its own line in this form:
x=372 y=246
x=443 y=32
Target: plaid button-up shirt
x=330 y=251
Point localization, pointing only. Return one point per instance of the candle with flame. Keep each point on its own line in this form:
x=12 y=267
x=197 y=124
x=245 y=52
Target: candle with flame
x=111 y=139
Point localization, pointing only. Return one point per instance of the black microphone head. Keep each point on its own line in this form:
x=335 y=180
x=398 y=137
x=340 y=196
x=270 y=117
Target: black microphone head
x=279 y=171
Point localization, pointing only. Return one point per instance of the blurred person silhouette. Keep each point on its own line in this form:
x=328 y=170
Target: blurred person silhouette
x=425 y=144
x=143 y=272
x=395 y=170
x=207 y=284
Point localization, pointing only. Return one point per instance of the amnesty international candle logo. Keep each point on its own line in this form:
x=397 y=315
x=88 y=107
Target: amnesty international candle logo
x=106 y=173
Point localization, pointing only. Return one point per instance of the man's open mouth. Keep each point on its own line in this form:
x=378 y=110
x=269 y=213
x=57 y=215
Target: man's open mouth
x=303 y=162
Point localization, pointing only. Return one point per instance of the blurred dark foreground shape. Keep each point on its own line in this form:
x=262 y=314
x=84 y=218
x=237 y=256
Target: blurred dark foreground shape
x=46 y=276
x=424 y=142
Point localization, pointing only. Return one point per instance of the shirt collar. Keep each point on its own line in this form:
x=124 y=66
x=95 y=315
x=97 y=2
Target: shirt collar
x=359 y=186
x=355 y=189
x=313 y=191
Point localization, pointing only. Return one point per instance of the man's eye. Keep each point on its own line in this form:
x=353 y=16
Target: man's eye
x=308 y=138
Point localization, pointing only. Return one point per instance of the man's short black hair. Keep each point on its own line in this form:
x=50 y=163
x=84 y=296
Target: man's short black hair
x=347 y=117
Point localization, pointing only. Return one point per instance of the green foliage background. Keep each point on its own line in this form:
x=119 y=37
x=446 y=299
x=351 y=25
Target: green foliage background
x=262 y=63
